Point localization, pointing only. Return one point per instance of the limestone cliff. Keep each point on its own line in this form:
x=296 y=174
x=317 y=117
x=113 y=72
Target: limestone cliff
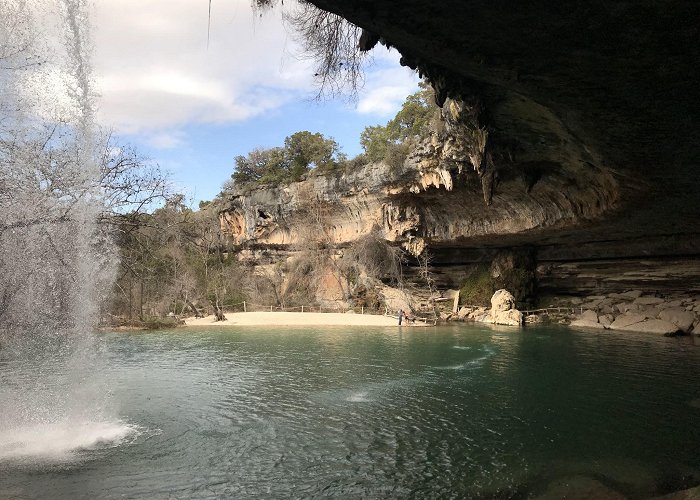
x=580 y=141
x=442 y=193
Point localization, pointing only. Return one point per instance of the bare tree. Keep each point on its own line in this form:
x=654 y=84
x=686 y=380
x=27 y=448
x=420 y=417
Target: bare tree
x=374 y=256
x=424 y=260
x=130 y=184
x=332 y=42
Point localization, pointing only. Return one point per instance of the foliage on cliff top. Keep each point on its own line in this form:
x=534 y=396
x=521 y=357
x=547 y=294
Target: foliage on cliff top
x=302 y=152
x=410 y=124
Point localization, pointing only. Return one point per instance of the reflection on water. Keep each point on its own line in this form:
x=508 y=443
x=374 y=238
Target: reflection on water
x=371 y=412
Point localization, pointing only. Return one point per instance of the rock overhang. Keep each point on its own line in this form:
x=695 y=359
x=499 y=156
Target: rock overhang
x=617 y=81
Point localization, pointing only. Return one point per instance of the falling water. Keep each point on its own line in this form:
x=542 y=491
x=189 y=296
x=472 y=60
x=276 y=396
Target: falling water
x=55 y=260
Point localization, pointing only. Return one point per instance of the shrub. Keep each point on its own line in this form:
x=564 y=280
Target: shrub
x=478 y=288
x=155 y=323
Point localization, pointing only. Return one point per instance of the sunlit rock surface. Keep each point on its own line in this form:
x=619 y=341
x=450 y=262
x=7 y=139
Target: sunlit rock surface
x=444 y=191
x=503 y=310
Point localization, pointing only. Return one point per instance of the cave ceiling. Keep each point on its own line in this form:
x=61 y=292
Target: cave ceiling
x=620 y=76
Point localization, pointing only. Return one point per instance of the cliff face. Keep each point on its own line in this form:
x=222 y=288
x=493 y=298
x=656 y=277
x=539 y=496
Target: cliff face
x=559 y=200
x=588 y=118
x=411 y=206
x=435 y=197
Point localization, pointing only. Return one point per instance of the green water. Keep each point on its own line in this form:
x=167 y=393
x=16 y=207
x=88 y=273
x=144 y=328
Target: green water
x=447 y=412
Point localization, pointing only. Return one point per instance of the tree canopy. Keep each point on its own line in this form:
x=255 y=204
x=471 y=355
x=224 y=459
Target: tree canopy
x=410 y=123
x=302 y=152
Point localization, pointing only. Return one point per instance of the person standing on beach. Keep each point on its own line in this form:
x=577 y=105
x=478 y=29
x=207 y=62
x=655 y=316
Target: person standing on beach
x=400 y=316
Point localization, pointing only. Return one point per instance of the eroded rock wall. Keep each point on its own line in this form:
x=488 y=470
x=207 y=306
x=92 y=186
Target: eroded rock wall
x=447 y=190
x=563 y=87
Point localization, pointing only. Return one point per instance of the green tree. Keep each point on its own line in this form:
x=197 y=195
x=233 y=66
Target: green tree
x=412 y=122
x=260 y=165
x=375 y=141
x=172 y=261
x=306 y=150
x=302 y=152
x=413 y=119
x=153 y=260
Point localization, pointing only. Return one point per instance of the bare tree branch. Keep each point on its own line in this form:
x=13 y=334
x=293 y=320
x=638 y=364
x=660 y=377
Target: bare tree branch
x=332 y=42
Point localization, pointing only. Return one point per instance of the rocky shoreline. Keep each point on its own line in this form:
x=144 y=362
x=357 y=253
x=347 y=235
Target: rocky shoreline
x=628 y=311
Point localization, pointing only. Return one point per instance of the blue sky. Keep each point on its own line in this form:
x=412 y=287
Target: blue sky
x=193 y=108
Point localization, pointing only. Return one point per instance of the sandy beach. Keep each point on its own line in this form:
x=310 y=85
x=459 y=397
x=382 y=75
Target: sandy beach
x=295 y=318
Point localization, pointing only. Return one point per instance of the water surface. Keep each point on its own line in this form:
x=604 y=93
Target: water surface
x=449 y=412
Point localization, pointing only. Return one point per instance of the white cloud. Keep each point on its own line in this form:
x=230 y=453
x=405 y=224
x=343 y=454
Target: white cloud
x=156 y=74
x=154 y=69
x=166 y=139
x=387 y=88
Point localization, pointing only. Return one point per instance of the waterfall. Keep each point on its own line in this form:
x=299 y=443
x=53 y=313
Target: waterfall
x=56 y=262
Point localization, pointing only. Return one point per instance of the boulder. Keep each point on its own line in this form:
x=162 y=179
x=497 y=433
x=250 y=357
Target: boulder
x=672 y=304
x=463 y=312
x=625 y=320
x=582 y=323
x=657 y=326
x=624 y=307
x=593 y=304
x=503 y=311
x=587 y=319
x=513 y=317
x=590 y=316
x=481 y=317
x=502 y=300
x=679 y=317
x=606 y=320
x=533 y=319
x=605 y=309
x=649 y=312
x=647 y=301
x=631 y=294
x=479 y=314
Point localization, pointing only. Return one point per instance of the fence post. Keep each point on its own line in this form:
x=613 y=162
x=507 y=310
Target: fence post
x=244 y=308
x=363 y=309
x=270 y=308
x=302 y=308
